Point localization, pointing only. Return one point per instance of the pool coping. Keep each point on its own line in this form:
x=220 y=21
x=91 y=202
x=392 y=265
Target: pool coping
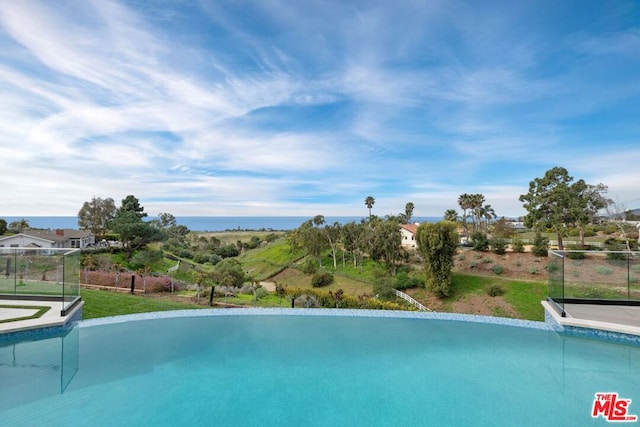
x=257 y=311
x=553 y=321
x=573 y=326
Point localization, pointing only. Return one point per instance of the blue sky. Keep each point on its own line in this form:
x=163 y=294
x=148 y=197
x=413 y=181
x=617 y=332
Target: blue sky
x=279 y=107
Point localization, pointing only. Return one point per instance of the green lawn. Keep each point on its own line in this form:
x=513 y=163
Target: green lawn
x=106 y=303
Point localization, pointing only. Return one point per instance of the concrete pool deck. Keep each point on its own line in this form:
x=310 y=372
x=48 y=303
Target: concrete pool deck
x=51 y=318
x=612 y=318
x=609 y=318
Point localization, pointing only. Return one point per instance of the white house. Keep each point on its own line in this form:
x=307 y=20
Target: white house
x=408 y=232
x=67 y=238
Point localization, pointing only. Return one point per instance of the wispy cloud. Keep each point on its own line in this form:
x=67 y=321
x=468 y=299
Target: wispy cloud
x=286 y=108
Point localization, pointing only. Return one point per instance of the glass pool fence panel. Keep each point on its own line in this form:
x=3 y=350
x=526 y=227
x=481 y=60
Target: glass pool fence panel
x=71 y=286
x=599 y=275
x=40 y=272
x=7 y=272
x=634 y=276
x=555 y=269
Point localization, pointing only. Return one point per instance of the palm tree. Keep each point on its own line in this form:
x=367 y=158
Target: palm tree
x=488 y=213
x=465 y=201
x=451 y=215
x=408 y=212
x=369 y=202
x=476 y=201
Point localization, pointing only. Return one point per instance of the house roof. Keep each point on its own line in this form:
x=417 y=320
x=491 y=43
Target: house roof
x=411 y=228
x=52 y=236
x=39 y=236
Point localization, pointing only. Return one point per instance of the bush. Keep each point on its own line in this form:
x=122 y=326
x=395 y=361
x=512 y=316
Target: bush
x=495 y=290
x=321 y=279
x=487 y=260
x=497 y=269
x=480 y=241
x=310 y=266
x=540 y=245
x=576 y=255
x=201 y=257
x=383 y=288
x=534 y=270
x=260 y=293
x=603 y=270
x=517 y=245
x=552 y=267
x=405 y=281
x=499 y=245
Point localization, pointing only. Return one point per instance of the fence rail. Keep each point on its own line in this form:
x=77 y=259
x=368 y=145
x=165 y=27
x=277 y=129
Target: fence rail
x=411 y=301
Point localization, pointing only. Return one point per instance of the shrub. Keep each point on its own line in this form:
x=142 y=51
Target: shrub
x=517 y=245
x=499 y=245
x=486 y=260
x=321 y=279
x=383 y=288
x=576 y=255
x=552 y=267
x=534 y=270
x=403 y=281
x=201 y=257
x=260 y=293
x=461 y=257
x=495 y=290
x=497 y=269
x=473 y=264
x=246 y=289
x=310 y=266
x=616 y=256
x=540 y=245
x=600 y=269
x=480 y=241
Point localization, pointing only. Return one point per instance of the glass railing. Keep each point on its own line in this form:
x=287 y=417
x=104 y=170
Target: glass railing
x=51 y=274
x=599 y=277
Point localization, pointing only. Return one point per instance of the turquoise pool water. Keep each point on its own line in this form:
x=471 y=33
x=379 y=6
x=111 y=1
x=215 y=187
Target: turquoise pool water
x=311 y=370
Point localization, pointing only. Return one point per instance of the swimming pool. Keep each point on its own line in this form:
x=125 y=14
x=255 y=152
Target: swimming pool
x=266 y=369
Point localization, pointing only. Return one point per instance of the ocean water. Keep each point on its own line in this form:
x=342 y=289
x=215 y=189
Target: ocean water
x=207 y=223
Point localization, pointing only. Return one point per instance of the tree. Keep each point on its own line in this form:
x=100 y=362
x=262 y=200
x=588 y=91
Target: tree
x=408 y=213
x=488 y=213
x=386 y=242
x=369 y=201
x=332 y=234
x=438 y=244
x=451 y=215
x=465 y=202
x=19 y=226
x=476 y=202
x=135 y=233
x=309 y=238
x=555 y=201
x=229 y=273
x=96 y=215
x=589 y=201
x=3 y=226
x=132 y=204
x=351 y=237
x=166 y=220
x=616 y=211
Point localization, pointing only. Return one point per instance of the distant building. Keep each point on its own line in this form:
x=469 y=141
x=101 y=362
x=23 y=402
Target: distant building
x=408 y=232
x=67 y=238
